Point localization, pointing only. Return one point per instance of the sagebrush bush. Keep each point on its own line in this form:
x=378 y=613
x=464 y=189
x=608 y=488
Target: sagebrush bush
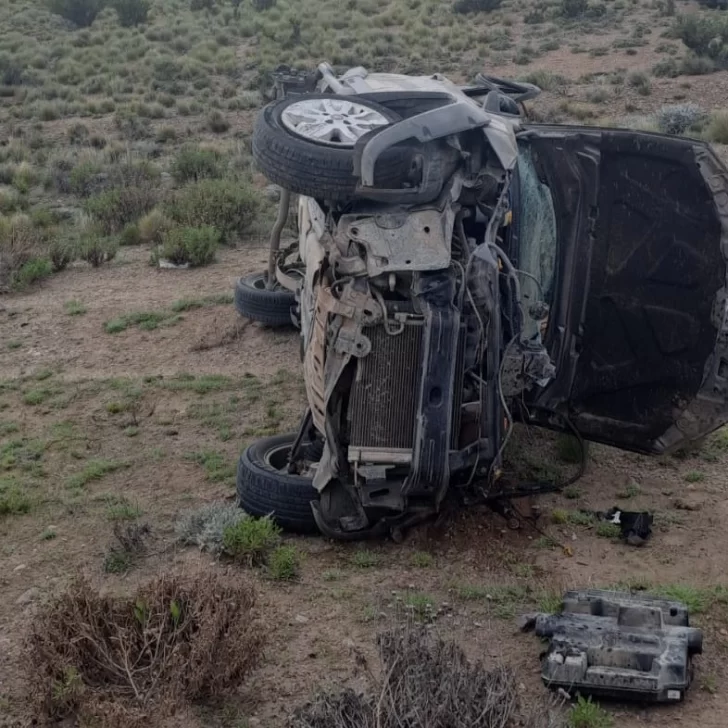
x=706 y=34
x=193 y=246
x=251 y=540
x=80 y=12
x=96 y=249
x=194 y=164
x=476 y=6
x=21 y=245
x=153 y=226
x=131 y=12
x=61 y=252
x=130 y=235
x=36 y=269
x=217 y=122
x=205 y=526
x=717 y=130
x=115 y=208
x=133 y=660
x=677 y=119
x=230 y=206
x=573 y=8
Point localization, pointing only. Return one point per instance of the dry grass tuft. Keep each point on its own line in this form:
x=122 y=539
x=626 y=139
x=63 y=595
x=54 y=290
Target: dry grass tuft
x=129 y=661
x=426 y=682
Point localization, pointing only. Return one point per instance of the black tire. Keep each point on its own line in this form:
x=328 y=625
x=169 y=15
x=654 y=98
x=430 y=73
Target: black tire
x=265 y=488
x=316 y=169
x=254 y=301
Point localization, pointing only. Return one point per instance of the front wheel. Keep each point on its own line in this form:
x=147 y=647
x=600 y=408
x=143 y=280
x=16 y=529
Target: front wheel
x=266 y=488
x=255 y=301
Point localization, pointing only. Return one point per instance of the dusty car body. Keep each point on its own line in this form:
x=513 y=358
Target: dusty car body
x=460 y=269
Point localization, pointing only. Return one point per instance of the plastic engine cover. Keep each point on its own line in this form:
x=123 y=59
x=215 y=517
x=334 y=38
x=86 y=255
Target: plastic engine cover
x=618 y=645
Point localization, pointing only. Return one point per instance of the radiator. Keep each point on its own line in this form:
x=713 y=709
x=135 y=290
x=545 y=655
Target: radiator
x=383 y=403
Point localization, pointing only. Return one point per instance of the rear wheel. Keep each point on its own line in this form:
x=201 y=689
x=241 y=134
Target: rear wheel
x=258 y=303
x=265 y=487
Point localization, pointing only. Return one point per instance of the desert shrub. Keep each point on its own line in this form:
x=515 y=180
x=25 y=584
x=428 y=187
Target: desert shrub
x=84 y=179
x=573 y=8
x=130 y=235
x=666 y=68
x=153 y=226
x=36 y=269
x=133 y=660
x=22 y=254
x=692 y=65
x=11 y=72
x=706 y=34
x=717 y=130
x=217 y=122
x=230 y=206
x=80 y=12
x=193 y=246
x=263 y=4
x=193 y=163
x=426 y=681
x=115 y=208
x=679 y=118
x=96 y=249
x=284 y=564
x=251 y=540
x=61 y=252
x=640 y=82
x=131 y=12
x=205 y=527
x=476 y=6
x=545 y=80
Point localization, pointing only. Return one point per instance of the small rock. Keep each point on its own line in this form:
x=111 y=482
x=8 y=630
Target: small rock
x=477 y=624
x=411 y=586
x=20 y=567
x=724 y=631
x=171 y=432
x=253 y=721
x=28 y=596
x=300 y=619
x=349 y=643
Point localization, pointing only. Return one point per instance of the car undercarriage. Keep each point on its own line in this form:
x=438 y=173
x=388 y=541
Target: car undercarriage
x=459 y=269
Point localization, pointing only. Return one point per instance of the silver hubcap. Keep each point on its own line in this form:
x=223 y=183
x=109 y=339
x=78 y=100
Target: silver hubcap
x=334 y=121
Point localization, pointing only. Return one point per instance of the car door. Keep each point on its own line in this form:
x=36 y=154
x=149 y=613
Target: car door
x=638 y=323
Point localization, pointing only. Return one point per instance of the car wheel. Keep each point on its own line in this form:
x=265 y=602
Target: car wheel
x=265 y=487
x=256 y=302
x=306 y=144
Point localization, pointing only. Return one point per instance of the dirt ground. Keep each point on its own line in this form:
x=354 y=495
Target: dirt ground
x=168 y=411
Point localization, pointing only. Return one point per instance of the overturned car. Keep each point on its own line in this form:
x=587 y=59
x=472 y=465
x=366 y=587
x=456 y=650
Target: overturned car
x=459 y=269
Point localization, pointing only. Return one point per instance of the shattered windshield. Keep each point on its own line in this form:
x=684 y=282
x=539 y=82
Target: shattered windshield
x=536 y=223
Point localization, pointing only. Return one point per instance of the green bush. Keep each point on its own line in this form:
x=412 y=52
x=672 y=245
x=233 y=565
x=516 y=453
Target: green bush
x=693 y=65
x=251 y=540
x=34 y=270
x=230 y=206
x=96 y=249
x=194 y=164
x=476 y=6
x=705 y=34
x=193 y=246
x=130 y=235
x=131 y=12
x=284 y=564
x=116 y=208
x=80 y=12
